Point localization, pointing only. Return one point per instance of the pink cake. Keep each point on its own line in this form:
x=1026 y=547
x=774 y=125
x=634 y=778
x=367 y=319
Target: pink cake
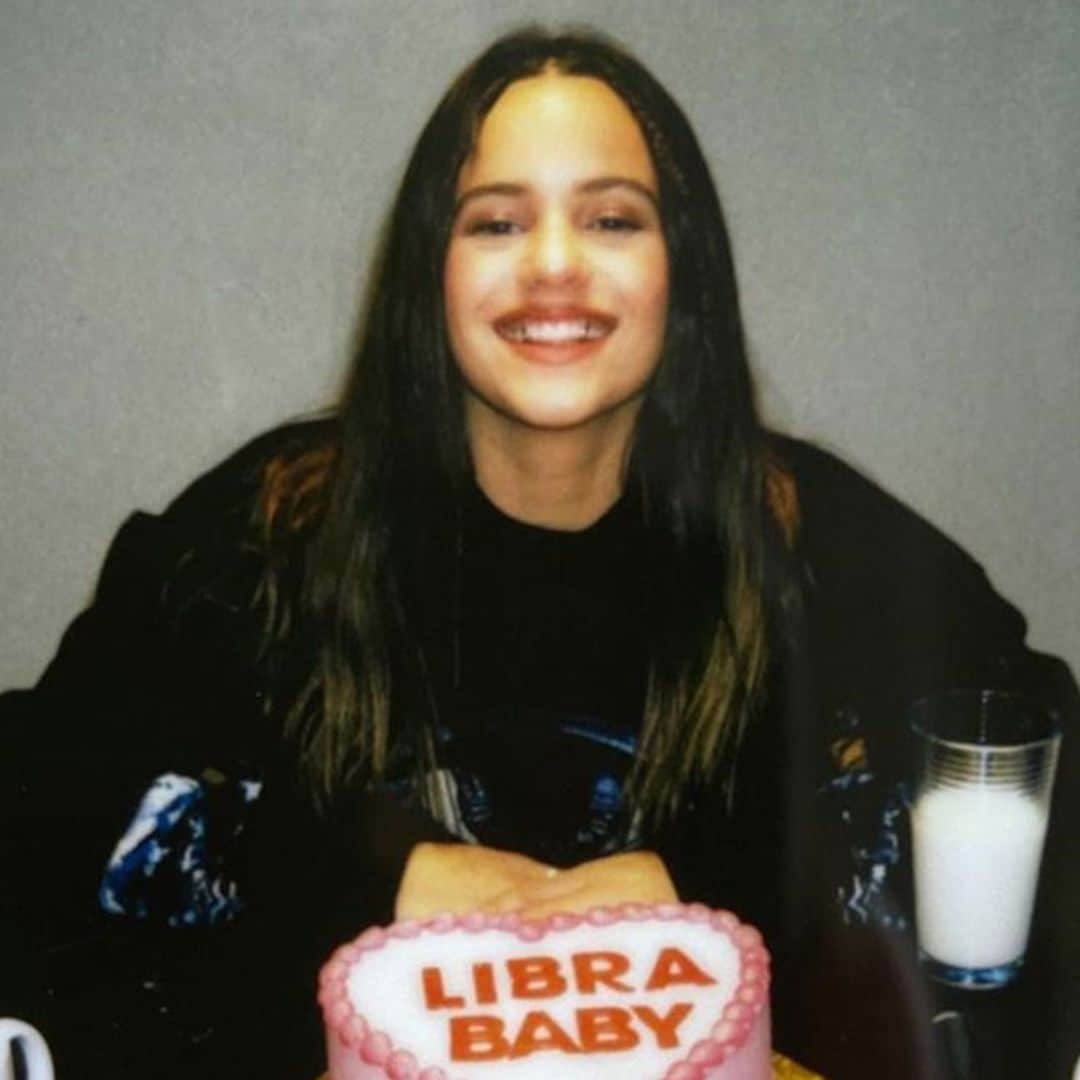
x=670 y=992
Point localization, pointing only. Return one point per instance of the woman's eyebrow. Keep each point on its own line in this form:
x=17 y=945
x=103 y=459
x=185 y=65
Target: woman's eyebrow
x=595 y=185
x=605 y=183
x=478 y=192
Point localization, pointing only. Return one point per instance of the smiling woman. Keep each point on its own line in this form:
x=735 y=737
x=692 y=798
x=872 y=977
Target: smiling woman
x=539 y=617
x=556 y=273
x=556 y=296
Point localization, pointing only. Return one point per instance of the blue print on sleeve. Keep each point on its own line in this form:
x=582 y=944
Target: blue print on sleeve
x=171 y=863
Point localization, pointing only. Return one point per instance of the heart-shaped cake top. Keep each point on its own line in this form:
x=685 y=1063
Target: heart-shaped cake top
x=670 y=991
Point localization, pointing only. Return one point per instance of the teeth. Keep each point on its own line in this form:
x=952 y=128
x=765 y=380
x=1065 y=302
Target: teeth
x=554 y=332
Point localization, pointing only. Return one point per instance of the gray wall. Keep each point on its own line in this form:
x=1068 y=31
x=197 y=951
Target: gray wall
x=189 y=191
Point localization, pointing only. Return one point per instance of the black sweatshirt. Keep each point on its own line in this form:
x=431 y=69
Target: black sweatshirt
x=538 y=644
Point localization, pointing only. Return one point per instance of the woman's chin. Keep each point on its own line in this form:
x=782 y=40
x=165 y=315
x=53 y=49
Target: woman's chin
x=563 y=417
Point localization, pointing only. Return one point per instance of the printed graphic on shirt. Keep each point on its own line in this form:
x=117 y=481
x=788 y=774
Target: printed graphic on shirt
x=172 y=862
x=544 y=783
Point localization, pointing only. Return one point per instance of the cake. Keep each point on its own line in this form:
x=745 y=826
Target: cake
x=664 y=992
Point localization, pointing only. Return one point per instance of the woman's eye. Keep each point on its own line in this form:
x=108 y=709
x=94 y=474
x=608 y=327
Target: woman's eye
x=491 y=227
x=615 y=223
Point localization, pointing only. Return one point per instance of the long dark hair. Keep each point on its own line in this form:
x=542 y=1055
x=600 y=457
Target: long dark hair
x=382 y=493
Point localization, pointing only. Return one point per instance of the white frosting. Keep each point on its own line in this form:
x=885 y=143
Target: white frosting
x=386 y=987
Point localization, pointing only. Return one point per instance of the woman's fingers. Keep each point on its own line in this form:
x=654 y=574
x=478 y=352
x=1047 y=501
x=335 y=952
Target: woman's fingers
x=527 y=868
x=556 y=888
x=636 y=876
x=460 y=878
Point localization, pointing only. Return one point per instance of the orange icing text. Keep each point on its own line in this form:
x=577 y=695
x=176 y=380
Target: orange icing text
x=484 y=1036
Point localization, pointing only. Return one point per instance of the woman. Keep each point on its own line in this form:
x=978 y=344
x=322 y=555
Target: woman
x=551 y=232
x=540 y=617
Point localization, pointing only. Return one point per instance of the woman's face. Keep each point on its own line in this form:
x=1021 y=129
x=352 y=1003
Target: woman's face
x=556 y=278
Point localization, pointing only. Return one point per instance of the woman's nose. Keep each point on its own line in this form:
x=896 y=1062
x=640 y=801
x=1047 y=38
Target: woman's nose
x=554 y=253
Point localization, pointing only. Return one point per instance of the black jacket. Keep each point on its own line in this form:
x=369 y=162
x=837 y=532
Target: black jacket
x=160 y=675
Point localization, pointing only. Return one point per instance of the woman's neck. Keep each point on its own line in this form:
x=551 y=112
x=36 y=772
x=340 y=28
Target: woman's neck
x=556 y=479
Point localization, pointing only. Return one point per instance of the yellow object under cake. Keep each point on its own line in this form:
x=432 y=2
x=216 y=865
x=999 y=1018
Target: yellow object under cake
x=785 y=1069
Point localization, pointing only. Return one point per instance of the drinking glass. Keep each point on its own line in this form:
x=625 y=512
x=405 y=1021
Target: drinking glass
x=985 y=764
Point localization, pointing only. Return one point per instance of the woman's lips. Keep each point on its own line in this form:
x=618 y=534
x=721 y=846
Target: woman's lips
x=555 y=336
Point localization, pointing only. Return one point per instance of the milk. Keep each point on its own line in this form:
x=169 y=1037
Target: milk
x=977 y=852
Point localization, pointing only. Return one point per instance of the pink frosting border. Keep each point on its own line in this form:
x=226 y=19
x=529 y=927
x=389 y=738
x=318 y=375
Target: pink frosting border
x=726 y=1037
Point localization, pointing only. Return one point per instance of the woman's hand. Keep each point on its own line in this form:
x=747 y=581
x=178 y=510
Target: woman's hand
x=638 y=876
x=464 y=877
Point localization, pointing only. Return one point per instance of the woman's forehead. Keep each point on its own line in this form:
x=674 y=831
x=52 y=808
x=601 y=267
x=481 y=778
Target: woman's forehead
x=558 y=129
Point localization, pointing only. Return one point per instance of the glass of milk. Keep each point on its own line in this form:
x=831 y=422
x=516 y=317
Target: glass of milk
x=984 y=771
